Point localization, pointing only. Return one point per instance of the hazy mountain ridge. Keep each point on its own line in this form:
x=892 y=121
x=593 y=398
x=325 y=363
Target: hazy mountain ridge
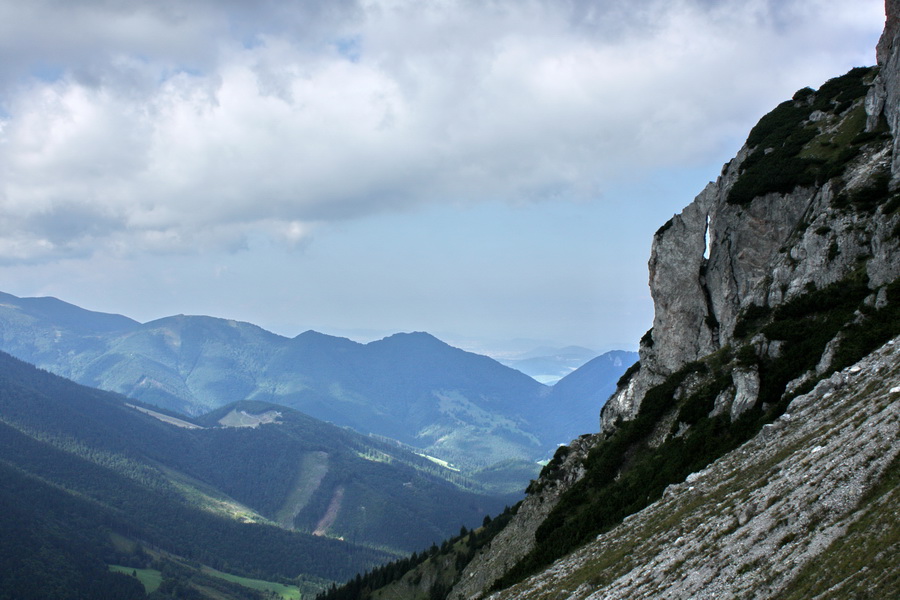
x=462 y=407
x=757 y=438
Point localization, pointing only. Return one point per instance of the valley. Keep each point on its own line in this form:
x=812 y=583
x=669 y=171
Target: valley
x=213 y=495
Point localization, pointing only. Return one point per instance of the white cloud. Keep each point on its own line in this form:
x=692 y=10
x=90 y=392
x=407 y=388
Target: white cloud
x=172 y=126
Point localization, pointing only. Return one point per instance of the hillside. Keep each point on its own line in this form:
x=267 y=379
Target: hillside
x=257 y=490
x=807 y=508
x=752 y=451
x=457 y=406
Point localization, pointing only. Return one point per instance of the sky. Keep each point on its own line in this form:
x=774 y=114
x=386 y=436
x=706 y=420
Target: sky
x=489 y=171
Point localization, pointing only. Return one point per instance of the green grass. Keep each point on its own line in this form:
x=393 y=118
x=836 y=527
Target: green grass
x=312 y=469
x=828 y=146
x=149 y=578
x=287 y=592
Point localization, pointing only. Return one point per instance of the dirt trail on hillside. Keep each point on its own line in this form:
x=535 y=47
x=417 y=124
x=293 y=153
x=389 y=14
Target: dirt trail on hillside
x=331 y=514
x=312 y=469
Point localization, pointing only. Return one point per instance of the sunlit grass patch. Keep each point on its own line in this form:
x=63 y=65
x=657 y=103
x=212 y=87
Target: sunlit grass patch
x=149 y=578
x=287 y=592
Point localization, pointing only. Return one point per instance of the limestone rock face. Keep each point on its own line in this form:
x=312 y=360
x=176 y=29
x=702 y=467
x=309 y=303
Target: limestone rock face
x=678 y=287
x=717 y=258
x=887 y=92
x=746 y=382
x=752 y=521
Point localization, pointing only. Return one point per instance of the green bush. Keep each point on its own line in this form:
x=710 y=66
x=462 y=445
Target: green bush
x=750 y=319
x=778 y=164
x=845 y=88
x=629 y=372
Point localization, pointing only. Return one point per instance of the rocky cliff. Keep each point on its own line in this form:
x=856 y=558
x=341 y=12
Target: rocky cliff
x=733 y=250
x=887 y=95
x=763 y=287
x=518 y=538
x=755 y=441
x=724 y=254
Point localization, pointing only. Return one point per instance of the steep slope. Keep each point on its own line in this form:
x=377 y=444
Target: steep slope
x=800 y=281
x=819 y=485
x=727 y=463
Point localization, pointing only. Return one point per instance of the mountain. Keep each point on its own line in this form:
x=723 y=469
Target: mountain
x=753 y=451
x=461 y=407
x=262 y=491
x=579 y=395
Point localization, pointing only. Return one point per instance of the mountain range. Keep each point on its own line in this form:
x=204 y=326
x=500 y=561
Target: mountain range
x=751 y=452
x=460 y=407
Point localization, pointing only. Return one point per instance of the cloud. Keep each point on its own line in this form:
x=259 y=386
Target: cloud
x=130 y=127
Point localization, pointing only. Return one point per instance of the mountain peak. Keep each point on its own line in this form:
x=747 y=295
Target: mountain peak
x=312 y=334
x=420 y=337
x=887 y=45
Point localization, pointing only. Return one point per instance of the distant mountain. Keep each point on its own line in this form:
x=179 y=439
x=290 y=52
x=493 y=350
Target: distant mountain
x=458 y=406
x=578 y=394
x=256 y=489
x=549 y=365
x=63 y=315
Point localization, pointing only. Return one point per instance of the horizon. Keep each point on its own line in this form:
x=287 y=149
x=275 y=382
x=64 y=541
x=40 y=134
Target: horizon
x=484 y=174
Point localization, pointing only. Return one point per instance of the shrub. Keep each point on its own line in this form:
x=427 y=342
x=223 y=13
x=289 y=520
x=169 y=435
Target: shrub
x=776 y=165
x=629 y=372
x=750 y=320
x=664 y=227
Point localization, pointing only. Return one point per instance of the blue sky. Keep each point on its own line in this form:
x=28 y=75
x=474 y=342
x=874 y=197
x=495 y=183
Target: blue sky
x=485 y=171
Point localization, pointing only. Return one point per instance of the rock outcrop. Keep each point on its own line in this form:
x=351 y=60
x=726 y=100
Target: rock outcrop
x=720 y=256
x=517 y=538
x=887 y=91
